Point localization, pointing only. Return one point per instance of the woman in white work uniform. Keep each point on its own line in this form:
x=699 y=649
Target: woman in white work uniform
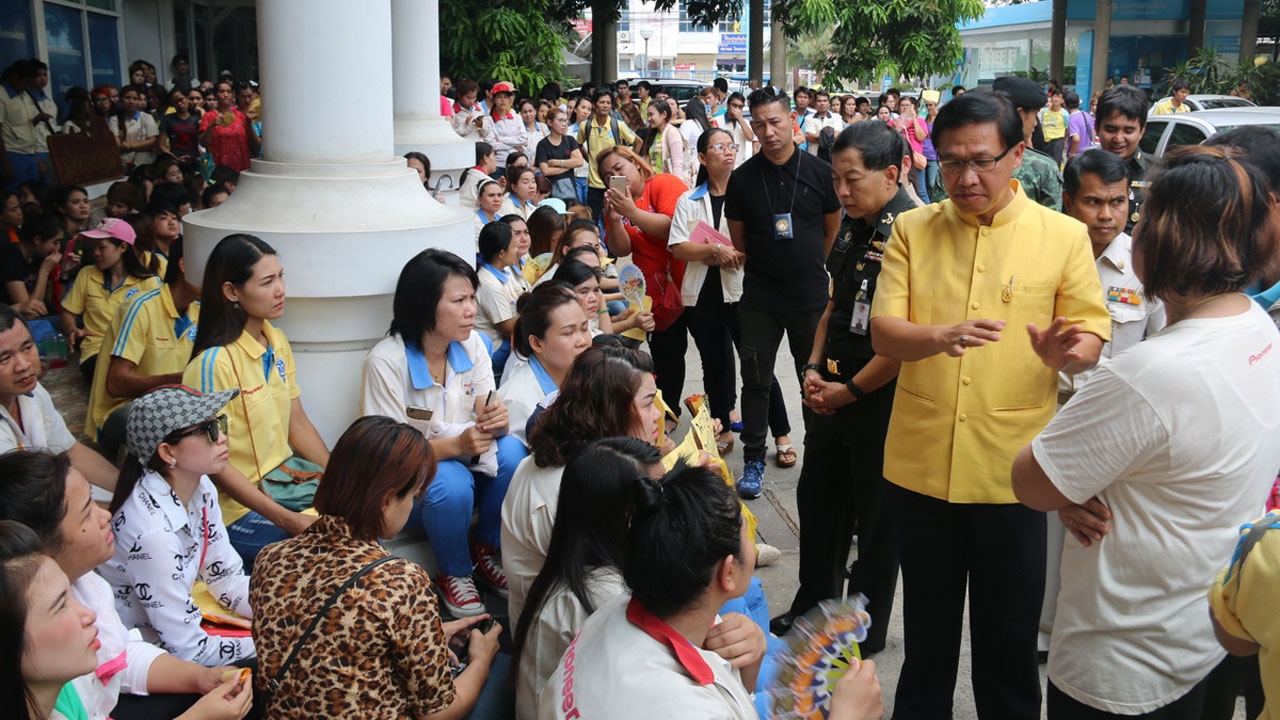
x=433 y=372
x=498 y=292
x=688 y=553
x=551 y=331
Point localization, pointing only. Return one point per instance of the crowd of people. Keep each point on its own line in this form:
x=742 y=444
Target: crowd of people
x=1044 y=381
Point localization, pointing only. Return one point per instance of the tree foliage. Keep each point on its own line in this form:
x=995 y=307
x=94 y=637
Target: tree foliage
x=509 y=40
x=914 y=38
x=1210 y=73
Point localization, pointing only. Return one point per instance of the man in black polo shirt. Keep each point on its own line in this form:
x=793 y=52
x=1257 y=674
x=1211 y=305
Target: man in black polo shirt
x=783 y=213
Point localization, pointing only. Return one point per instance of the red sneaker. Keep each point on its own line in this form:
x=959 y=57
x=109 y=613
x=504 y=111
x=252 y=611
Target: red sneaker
x=459 y=596
x=489 y=567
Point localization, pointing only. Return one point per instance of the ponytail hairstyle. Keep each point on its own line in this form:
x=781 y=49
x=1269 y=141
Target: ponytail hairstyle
x=597 y=400
x=232 y=261
x=590 y=532
x=681 y=528
x=704 y=142
x=544 y=224
x=495 y=238
x=533 y=313
x=20 y=560
x=132 y=256
x=575 y=273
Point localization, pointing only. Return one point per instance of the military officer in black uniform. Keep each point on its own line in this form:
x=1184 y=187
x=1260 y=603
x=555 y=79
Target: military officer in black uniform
x=850 y=389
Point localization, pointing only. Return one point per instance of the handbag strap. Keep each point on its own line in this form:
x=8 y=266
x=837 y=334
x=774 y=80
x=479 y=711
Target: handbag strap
x=273 y=683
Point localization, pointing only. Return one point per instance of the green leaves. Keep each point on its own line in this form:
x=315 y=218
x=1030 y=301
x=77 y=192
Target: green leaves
x=911 y=38
x=507 y=40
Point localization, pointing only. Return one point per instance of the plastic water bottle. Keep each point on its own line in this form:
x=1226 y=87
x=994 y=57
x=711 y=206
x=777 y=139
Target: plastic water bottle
x=58 y=351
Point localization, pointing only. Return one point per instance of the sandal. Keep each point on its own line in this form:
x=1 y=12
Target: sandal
x=786 y=456
x=724 y=447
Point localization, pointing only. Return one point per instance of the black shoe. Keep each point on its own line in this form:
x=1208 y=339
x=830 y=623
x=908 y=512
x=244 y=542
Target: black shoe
x=782 y=624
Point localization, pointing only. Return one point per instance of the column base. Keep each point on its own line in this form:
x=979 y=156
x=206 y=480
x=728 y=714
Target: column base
x=433 y=136
x=343 y=233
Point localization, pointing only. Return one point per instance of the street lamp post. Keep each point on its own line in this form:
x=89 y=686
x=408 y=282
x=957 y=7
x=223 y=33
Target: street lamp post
x=646 y=34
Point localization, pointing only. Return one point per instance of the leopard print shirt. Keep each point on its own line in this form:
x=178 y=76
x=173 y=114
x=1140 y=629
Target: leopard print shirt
x=379 y=653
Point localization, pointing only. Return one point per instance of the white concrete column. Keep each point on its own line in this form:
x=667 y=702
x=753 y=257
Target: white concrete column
x=342 y=210
x=415 y=59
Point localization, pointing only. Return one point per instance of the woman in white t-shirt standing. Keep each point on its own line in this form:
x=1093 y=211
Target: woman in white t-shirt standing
x=667 y=150
x=1161 y=456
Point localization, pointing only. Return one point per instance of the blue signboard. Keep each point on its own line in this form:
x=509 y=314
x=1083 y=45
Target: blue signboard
x=733 y=43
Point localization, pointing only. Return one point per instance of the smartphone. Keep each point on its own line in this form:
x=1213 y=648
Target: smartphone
x=485 y=625
x=618 y=182
x=418 y=413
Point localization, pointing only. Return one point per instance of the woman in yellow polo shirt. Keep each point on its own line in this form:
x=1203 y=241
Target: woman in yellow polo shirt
x=98 y=292
x=237 y=347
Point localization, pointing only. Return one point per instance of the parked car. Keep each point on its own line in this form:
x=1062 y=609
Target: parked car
x=1208 y=102
x=1164 y=132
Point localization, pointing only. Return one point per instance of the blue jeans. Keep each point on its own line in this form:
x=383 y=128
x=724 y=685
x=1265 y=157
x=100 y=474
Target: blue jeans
x=250 y=534
x=445 y=512
x=753 y=604
x=25 y=169
x=498 y=695
x=581 y=184
x=933 y=180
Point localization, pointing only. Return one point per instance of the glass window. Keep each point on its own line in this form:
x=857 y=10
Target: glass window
x=17 y=38
x=1184 y=134
x=686 y=25
x=109 y=5
x=104 y=49
x=1151 y=136
x=65 y=35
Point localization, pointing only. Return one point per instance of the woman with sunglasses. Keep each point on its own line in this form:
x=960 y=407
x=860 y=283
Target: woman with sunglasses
x=168 y=527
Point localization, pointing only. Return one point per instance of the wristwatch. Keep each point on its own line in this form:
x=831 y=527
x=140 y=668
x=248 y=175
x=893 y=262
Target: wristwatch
x=855 y=390
x=811 y=366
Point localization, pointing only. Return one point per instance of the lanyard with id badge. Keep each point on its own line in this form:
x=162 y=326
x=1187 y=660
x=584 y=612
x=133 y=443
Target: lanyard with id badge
x=783 y=228
x=861 y=318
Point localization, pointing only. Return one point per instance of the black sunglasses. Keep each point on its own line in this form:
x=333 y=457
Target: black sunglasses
x=212 y=429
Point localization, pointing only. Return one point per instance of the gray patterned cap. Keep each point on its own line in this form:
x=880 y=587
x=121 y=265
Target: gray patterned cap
x=167 y=409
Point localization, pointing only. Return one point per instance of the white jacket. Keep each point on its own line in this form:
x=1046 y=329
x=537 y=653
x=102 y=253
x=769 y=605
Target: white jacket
x=693 y=206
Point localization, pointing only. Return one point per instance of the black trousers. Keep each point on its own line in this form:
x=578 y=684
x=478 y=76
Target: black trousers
x=762 y=332
x=998 y=552
x=1233 y=677
x=841 y=487
x=668 y=348
x=713 y=323
x=1187 y=707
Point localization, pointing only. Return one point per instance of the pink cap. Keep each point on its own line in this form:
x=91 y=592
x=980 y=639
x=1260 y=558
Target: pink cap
x=503 y=87
x=113 y=228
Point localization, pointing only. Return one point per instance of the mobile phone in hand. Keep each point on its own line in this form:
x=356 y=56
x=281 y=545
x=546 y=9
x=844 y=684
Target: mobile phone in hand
x=485 y=625
x=618 y=182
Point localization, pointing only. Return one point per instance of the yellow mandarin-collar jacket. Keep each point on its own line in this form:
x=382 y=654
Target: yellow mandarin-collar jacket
x=958 y=422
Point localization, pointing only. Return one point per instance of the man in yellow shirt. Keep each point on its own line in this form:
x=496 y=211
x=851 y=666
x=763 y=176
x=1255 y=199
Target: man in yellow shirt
x=602 y=130
x=148 y=344
x=1178 y=103
x=984 y=298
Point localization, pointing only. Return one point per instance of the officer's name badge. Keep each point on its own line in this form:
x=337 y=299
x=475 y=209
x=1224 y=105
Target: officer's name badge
x=1128 y=296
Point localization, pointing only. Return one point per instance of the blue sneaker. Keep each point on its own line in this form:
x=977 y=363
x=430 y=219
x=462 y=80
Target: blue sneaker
x=751 y=484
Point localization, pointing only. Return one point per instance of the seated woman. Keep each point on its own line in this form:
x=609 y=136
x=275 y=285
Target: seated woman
x=608 y=393
x=48 y=637
x=117 y=275
x=394 y=660
x=276 y=452
x=433 y=371
x=586 y=281
x=550 y=331
x=687 y=554
x=519 y=231
x=522 y=191
x=130 y=678
x=546 y=227
x=498 y=292
x=489 y=199
x=169 y=526
x=584 y=559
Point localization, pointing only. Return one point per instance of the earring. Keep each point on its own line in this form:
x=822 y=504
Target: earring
x=235 y=304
